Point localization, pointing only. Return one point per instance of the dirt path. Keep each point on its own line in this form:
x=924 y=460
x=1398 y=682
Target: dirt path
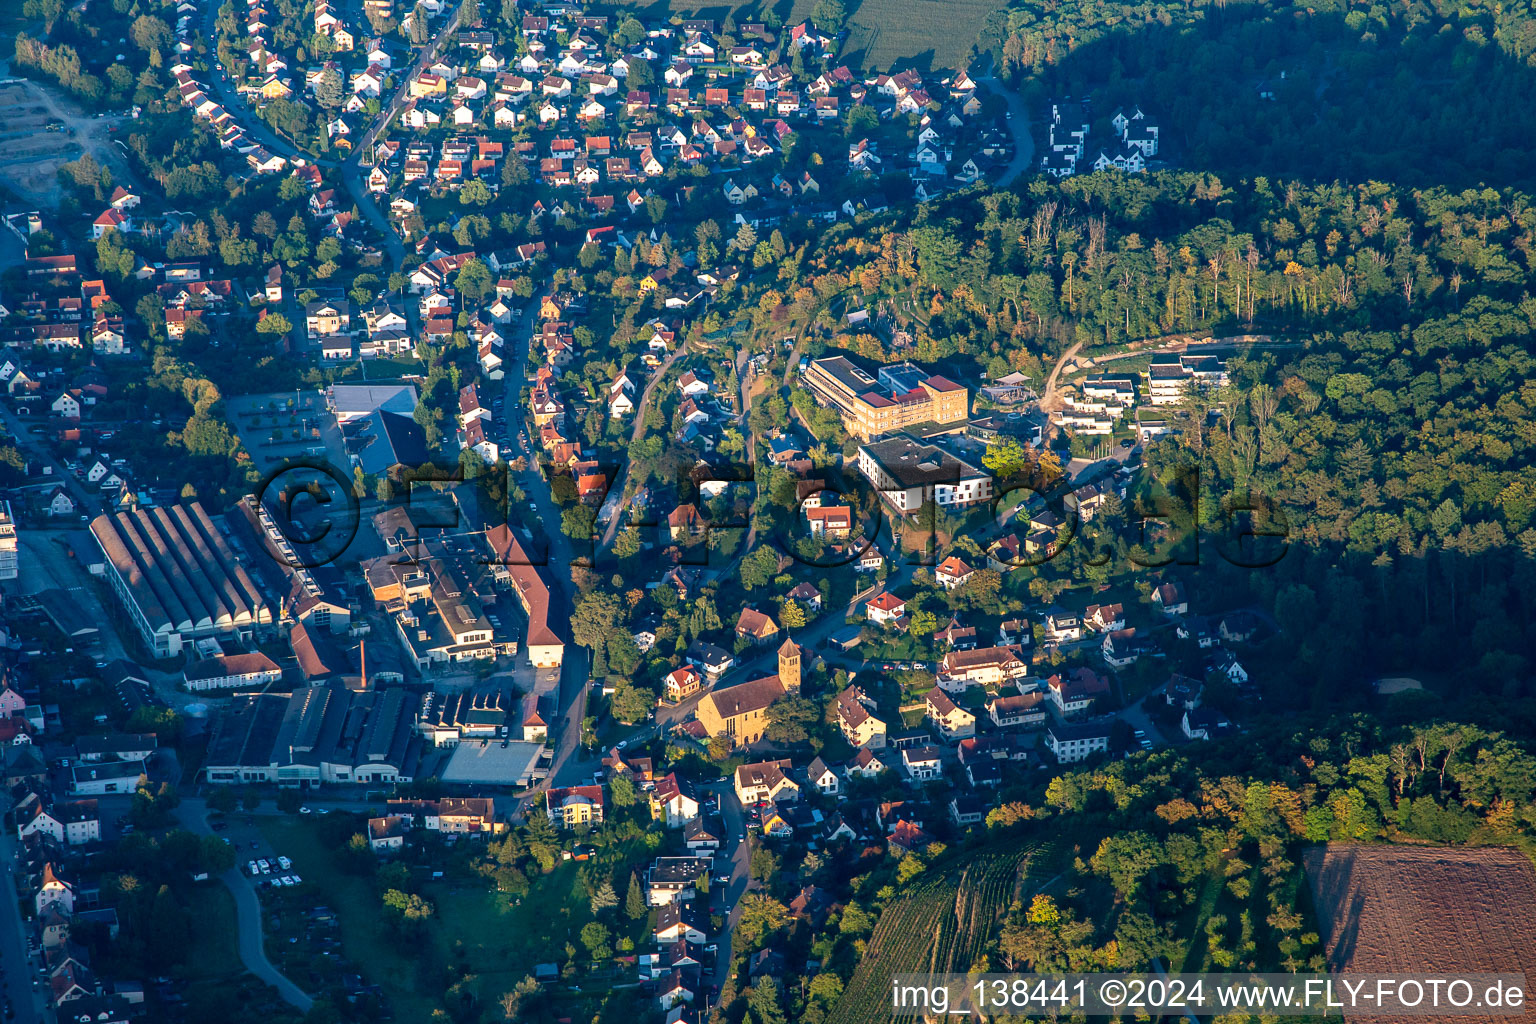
x=1050 y=401
x=30 y=155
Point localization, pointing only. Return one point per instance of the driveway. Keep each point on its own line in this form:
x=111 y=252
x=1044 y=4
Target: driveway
x=14 y=954
x=193 y=815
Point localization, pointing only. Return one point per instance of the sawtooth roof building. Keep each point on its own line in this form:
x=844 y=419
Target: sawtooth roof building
x=318 y=734
x=178 y=578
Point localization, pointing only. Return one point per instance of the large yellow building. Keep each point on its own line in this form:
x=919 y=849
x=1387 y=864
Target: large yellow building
x=740 y=713
x=903 y=396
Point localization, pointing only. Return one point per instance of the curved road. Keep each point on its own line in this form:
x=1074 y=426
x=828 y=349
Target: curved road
x=1018 y=127
x=193 y=814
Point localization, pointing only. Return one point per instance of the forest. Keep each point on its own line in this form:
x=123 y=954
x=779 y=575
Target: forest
x=1393 y=422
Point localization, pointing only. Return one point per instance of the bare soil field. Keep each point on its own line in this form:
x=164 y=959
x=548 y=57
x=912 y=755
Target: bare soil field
x=30 y=155
x=1406 y=909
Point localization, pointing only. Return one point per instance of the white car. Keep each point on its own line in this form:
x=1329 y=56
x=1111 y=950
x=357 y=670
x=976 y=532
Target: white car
x=286 y=880
x=284 y=863
x=253 y=868
x=296 y=879
x=266 y=867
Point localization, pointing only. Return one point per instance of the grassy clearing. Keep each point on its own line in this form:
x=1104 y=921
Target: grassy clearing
x=496 y=937
x=925 y=34
x=366 y=939
x=213 y=953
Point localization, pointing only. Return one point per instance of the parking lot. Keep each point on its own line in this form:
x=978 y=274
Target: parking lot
x=243 y=832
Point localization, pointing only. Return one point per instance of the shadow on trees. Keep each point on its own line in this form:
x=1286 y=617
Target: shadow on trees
x=1353 y=98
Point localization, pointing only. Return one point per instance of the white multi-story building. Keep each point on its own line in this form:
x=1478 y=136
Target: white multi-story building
x=8 y=558
x=1170 y=377
x=1072 y=742
x=908 y=473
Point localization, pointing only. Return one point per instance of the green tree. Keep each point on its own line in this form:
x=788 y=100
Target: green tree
x=595 y=936
x=329 y=89
x=759 y=568
x=764 y=1001
x=760 y=915
x=578 y=522
x=790 y=719
x=621 y=790
x=634 y=900
x=474 y=280
x=273 y=324
x=475 y=193
x=631 y=703
x=603 y=897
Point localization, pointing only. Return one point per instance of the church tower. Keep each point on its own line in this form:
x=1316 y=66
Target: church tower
x=789 y=666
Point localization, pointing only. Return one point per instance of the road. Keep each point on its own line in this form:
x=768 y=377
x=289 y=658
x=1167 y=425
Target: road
x=567 y=766
x=193 y=815
x=351 y=171
x=224 y=91
x=429 y=53
x=1050 y=402
x=19 y=970
x=735 y=820
x=86 y=503
x=1018 y=127
x=622 y=480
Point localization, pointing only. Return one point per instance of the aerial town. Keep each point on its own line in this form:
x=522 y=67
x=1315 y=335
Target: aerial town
x=554 y=511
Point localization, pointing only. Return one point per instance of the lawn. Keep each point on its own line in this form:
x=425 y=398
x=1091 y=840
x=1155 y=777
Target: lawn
x=499 y=939
x=365 y=938
x=214 y=952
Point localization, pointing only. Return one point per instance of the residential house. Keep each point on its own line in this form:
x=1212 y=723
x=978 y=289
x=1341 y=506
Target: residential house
x=755 y=627
x=683 y=682
x=990 y=667
x=952 y=573
x=823 y=778
x=673 y=801
x=1075 y=691
x=923 y=764
x=953 y=722
x=886 y=609
x=1072 y=741
x=575 y=806
x=856 y=719
x=765 y=781
x=674 y=879
x=1019 y=710
x=1171 y=599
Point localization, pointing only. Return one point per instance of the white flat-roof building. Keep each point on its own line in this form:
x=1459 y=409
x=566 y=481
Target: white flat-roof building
x=348 y=402
x=908 y=473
